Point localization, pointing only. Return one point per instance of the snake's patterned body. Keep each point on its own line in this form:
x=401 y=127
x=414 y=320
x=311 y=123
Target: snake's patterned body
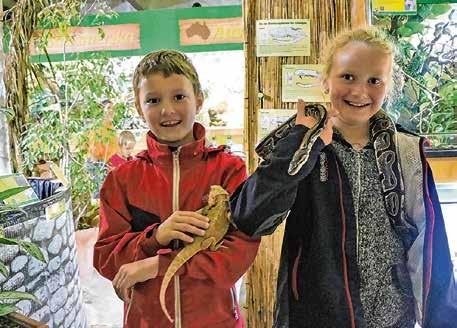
x=301 y=155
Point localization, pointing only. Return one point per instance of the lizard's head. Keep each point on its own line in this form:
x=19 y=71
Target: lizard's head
x=216 y=195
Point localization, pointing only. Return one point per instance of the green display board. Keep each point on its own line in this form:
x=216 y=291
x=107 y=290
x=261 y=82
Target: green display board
x=159 y=29
x=436 y=1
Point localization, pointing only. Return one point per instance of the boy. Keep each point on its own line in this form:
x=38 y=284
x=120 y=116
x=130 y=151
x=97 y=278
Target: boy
x=151 y=201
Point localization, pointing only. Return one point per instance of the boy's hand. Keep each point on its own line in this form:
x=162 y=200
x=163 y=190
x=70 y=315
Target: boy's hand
x=179 y=225
x=310 y=121
x=131 y=273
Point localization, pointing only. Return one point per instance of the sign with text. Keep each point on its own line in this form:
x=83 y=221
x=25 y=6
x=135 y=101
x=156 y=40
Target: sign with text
x=270 y=119
x=140 y=32
x=210 y=31
x=394 y=7
x=302 y=82
x=283 y=37
x=97 y=38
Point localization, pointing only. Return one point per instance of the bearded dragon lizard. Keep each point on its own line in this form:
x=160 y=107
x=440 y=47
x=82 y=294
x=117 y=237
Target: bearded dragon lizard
x=218 y=213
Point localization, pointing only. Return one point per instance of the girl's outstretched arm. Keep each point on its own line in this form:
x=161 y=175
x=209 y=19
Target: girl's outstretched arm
x=261 y=203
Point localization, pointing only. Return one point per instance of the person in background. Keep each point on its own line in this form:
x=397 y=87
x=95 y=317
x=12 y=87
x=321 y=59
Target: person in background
x=149 y=203
x=102 y=141
x=43 y=169
x=101 y=145
x=365 y=243
x=126 y=143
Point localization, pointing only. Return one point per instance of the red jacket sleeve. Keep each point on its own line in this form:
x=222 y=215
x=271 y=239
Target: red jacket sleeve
x=226 y=265
x=234 y=175
x=116 y=244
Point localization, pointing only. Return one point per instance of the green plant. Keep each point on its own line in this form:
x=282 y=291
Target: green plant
x=28 y=247
x=54 y=106
x=66 y=113
x=427 y=101
x=4 y=208
x=64 y=104
x=9 y=113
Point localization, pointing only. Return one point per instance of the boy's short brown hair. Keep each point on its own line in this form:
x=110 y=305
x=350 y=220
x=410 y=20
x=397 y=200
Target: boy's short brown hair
x=167 y=62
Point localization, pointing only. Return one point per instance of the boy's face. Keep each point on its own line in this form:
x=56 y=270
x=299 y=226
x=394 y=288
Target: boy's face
x=127 y=149
x=169 y=106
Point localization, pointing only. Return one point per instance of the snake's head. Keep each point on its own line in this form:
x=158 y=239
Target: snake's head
x=317 y=111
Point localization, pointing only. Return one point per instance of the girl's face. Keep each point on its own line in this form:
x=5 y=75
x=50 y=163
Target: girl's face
x=358 y=82
x=169 y=106
x=127 y=149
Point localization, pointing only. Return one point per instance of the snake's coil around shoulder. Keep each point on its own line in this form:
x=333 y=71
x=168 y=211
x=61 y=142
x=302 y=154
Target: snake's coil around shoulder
x=301 y=155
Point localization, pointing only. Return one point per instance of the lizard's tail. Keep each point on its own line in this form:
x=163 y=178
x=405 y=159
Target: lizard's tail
x=177 y=262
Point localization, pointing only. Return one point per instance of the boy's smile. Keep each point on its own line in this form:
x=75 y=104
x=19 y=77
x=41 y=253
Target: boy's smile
x=169 y=106
x=170 y=123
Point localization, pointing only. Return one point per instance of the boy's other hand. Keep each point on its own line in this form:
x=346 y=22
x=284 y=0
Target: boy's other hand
x=309 y=121
x=179 y=225
x=131 y=273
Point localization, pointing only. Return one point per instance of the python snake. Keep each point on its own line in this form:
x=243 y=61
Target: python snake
x=301 y=155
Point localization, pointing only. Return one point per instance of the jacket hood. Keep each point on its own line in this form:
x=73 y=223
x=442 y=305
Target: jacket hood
x=161 y=153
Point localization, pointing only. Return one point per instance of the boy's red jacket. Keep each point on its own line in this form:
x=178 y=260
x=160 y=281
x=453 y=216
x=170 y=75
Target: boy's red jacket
x=136 y=197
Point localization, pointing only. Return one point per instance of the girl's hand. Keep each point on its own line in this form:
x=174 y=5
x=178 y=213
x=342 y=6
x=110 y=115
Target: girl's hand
x=310 y=121
x=302 y=119
x=179 y=225
x=131 y=273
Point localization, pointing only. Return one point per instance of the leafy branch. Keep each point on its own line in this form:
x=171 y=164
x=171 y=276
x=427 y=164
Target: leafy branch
x=27 y=246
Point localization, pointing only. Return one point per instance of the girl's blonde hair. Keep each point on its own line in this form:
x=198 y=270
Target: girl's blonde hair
x=371 y=36
x=125 y=138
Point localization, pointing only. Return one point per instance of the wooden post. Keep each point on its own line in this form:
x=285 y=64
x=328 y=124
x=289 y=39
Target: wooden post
x=5 y=166
x=360 y=15
x=263 y=90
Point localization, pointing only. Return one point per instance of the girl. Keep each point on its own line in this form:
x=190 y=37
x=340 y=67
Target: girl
x=365 y=244
x=126 y=143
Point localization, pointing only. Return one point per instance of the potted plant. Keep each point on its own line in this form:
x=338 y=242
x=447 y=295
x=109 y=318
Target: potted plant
x=8 y=315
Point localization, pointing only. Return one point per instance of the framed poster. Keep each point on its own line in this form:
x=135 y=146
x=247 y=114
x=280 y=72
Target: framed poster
x=270 y=119
x=302 y=81
x=283 y=37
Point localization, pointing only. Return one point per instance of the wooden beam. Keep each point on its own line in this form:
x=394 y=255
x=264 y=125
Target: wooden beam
x=5 y=167
x=360 y=13
x=24 y=321
x=135 y=4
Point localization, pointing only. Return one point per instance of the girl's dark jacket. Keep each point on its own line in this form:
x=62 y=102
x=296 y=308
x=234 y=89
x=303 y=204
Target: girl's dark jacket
x=318 y=279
